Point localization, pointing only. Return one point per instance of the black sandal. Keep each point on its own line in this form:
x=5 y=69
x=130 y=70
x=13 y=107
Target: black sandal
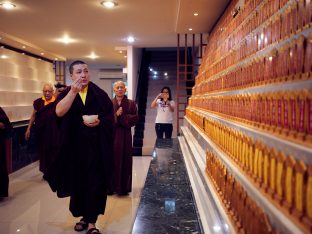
x=80 y=226
x=93 y=231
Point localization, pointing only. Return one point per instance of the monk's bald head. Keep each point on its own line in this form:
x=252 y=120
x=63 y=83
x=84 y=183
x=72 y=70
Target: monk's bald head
x=120 y=88
x=48 y=91
x=119 y=83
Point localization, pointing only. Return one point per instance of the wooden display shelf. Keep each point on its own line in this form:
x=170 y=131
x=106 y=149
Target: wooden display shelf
x=300 y=152
x=279 y=219
x=212 y=214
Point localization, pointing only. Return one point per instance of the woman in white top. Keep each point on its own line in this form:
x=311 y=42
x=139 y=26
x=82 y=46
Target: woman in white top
x=165 y=109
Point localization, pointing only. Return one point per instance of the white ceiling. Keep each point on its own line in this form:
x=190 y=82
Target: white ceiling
x=153 y=23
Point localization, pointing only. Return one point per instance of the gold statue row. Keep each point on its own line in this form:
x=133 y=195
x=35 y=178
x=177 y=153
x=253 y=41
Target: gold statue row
x=286 y=180
x=262 y=27
x=246 y=215
x=268 y=41
x=290 y=62
x=287 y=114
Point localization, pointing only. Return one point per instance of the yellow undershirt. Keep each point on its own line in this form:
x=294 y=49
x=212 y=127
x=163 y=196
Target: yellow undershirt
x=83 y=95
x=46 y=102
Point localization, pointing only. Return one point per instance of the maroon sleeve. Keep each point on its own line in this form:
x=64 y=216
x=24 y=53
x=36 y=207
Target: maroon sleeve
x=129 y=119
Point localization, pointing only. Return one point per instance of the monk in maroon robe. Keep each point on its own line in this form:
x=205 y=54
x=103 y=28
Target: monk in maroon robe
x=44 y=124
x=5 y=128
x=126 y=116
x=83 y=167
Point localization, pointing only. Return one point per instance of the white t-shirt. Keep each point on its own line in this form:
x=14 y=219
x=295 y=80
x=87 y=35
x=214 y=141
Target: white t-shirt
x=164 y=115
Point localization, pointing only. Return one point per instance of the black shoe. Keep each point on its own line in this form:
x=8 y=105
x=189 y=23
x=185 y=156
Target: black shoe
x=80 y=226
x=93 y=231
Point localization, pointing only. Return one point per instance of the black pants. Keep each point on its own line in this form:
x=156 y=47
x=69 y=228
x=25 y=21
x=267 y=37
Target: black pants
x=162 y=128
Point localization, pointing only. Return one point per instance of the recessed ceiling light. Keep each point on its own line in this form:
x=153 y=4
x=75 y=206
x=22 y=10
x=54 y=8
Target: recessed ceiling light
x=195 y=14
x=66 y=40
x=24 y=47
x=109 y=4
x=92 y=56
x=42 y=53
x=7 y=5
x=3 y=56
x=130 y=39
x=190 y=29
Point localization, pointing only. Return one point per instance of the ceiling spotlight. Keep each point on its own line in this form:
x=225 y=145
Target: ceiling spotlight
x=66 y=39
x=93 y=56
x=190 y=29
x=195 y=14
x=7 y=5
x=109 y=4
x=130 y=39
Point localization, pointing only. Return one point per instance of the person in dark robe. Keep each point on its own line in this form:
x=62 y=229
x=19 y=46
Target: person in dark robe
x=42 y=121
x=83 y=166
x=126 y=116
x=5 y=129
x=58 y=89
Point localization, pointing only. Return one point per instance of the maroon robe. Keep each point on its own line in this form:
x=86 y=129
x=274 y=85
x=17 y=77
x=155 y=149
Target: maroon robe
x=46 y=133
x=83 y=166
x=122 y=181
x=4 y=178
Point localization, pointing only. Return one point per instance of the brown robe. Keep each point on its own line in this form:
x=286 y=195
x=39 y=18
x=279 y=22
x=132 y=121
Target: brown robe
x=4 y=178
x=122 y=181
x=46 y=133
x=84 y=164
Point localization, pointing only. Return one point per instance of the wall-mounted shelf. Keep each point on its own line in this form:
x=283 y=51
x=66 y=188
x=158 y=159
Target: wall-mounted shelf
x=278 y=218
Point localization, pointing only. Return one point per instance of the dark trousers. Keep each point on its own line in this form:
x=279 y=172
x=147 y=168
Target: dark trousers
x=162 y=128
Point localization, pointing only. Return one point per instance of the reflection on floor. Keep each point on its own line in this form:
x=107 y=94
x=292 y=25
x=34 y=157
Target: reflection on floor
x=33 y=209
x=167 y=204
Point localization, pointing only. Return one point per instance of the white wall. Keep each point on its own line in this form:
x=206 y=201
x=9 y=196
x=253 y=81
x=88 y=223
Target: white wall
x=134 y=56
x=21 y=80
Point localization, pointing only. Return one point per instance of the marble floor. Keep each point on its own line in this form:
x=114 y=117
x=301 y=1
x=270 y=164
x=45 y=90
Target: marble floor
x=167 y=203
x=32 y=208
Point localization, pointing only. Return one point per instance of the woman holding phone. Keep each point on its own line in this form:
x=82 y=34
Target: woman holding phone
x=165 y=108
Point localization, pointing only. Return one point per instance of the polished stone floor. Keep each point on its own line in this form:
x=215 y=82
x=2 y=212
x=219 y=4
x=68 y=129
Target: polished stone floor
x=32 y=208
x=167 y=204
x=161 y=200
